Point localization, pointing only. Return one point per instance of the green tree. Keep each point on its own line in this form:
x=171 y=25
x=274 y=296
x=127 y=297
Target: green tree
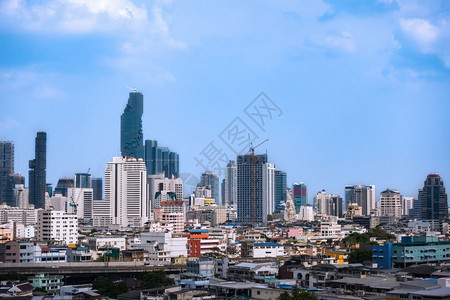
x=156 y=279
x=108 y=288
x=380 y=234
x=269 y=217
x=14 y=276
x=297 y=295
x=359 y=256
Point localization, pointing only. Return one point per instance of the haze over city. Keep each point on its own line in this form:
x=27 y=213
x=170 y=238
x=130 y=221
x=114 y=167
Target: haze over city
x=362 y=86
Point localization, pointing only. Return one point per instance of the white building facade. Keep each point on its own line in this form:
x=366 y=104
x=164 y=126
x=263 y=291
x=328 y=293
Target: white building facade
x=58 y=226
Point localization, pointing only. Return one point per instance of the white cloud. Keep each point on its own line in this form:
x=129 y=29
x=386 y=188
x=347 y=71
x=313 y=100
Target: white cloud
x=420 y=31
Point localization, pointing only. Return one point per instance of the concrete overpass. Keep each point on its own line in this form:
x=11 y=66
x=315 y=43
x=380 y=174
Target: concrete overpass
x=64 y=268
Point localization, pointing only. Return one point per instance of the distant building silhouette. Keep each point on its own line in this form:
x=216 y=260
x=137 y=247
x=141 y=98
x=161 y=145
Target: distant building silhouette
x=37 y=173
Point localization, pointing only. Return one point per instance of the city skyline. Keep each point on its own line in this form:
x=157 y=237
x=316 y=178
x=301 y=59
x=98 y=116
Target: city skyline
x=379 y=117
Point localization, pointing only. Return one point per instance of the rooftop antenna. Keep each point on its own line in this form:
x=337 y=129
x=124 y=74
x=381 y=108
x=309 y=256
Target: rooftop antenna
x=132 y=89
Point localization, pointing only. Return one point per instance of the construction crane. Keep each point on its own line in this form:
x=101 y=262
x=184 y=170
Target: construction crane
x=252 y=153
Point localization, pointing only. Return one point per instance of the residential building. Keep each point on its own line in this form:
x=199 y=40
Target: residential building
x=107 y=242
x=125 y=190
x=25 y=216
x=37 y=173
x=231 y=184
x=200 y=243
x=131 y=135
x=9 y=252
x=255 y=188
x=390 y=203
x=433 y=199
x=166 y=246
x=50 y=283
x=57 y=226
x=362 y=195
x=415 y=250
x=262 y=250
x=300 y=194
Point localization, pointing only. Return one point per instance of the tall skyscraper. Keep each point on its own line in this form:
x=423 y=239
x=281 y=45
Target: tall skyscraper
x=211 y=180
x=83 y=180
x=300 y=194
x=433 y=200
x=231 y=184
x=97 y=186
x=37 y=172
x=62 y=186
x=131 y=135
x=161 y=159
x=337 y=208
x=280 y=190
x=362 y=195
x=255 y=189
x=390 y=203
x=6 y=170
x=126 y=191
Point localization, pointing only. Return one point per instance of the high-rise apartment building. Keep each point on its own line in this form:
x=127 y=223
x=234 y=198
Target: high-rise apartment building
x=390 y=203
x=328 y=204
x=300 y=194
x=161 y=160
x=255 y=189
x=433 y=199
x=126 y=191
x=6 y=170
x=131 y=135
x=97 y=186
x=280 y=190
x=211 y=180
x=161 y=188
x=362 y=195
x=230 y=184
x=37 y=174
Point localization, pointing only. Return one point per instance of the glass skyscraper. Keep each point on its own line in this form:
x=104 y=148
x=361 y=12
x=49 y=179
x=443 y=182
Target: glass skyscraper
x=280 y=190
x=433 y=200
x=131 y=135
x=300 y=194
x=83 y=180
x=161 y=159
x=37 y=173
x=6 y=170
x=211 y=180
x=97 y=186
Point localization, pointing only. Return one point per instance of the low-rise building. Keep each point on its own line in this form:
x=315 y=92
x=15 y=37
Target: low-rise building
x=262 y=250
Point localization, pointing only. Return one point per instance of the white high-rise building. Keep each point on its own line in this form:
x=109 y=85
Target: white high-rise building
x=231 y=184
x=322 y=200
x=256 y=191
x=83 y=199
x=21 y=196
x=164 y=189
x=407 y=204
x=390 y=203
x=126 y=191
x=58 y=226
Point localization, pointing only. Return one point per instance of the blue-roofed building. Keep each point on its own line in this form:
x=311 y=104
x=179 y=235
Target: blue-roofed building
x=382 y=255
x=262 y=250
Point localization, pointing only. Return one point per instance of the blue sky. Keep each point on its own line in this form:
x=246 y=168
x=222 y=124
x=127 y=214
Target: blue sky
x=363 y=86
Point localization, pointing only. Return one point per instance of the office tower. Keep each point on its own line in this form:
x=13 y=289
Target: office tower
x=37 y=173
x=20 y=196
x=336 y=206
x=13 y=180
x=83 y=180
x=6 y=169
x=125 y=190
x=97 y=186
x=390 y=203
x=231 y=184
x=407 y=204
x=433 y=200
x=280 y=190
x=362 y=195
x=49 y=189
x=222 y=191
x=211 y=180
x=255 y=189
x=161 y=188
x=323 y=203
x=300 y=193
x=131 y=135
x=161 y=159
x=62 y=186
